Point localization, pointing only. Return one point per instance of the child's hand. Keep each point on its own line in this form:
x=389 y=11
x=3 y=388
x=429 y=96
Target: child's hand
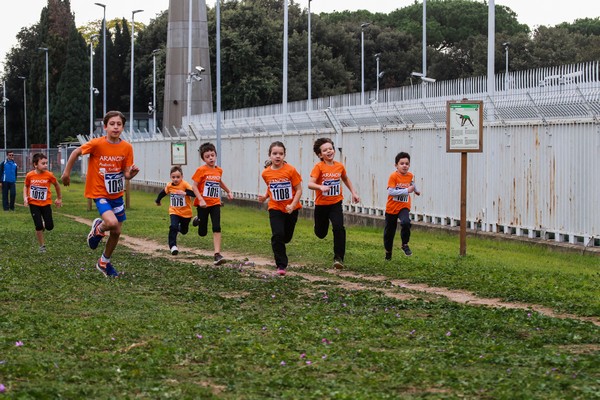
x=25 y=202
x=58 y=203
x=355 y=198
x=324 y=189
x=417 y=193
x=202 y=202
x=230 y=196
x=289 y=208
x=262 y=198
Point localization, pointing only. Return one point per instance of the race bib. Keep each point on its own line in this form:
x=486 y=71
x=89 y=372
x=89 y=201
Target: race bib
x=38 y=192
x=281 y=191
x=334 y=187
x=114 y=183
x=177 y=200
x=212 y=189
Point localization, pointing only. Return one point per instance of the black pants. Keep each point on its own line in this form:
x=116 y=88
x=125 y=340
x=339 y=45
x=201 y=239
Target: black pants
x=391 y=223
x=282 y=229
x=9 y=194
x=42 y=217
x=333 y=213
x=178 y=225
x=215 y=219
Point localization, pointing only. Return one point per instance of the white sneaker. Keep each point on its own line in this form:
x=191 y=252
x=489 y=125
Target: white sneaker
x=174 y=250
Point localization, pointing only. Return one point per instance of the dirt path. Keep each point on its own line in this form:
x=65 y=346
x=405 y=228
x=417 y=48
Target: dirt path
x=261 y=265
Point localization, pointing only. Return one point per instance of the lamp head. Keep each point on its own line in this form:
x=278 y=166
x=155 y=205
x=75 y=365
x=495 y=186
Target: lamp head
x=95 y=91
x=417 y=74
x=506 y=44
x=199 y=69
x=364 y=25
x=428 y=80
x=101 y=5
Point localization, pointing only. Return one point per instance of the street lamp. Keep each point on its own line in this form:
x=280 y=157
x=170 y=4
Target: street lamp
x=4 y=101
x=92 y=88
x=218 y=44
x=45 y=50
x=189 y=59
x=362 y=62
x=506 y=45
x=378 y=76
x=424 y=67
x=309 y=104
x=131 y=79
x=192 y=76
x=153 y=109
x=103 y=57
x=25 y=106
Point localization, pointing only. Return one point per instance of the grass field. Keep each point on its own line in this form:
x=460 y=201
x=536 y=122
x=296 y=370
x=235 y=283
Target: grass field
x=170 y=328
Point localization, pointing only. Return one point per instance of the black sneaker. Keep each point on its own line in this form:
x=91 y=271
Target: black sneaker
x=195 y=221
x=388 y=255
x=406 y=250
x=174 y=250
x=219 y=259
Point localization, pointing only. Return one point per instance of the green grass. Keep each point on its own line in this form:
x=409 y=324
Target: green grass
x=170 y=329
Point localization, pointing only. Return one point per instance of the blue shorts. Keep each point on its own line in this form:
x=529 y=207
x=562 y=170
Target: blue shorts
x=117 y=206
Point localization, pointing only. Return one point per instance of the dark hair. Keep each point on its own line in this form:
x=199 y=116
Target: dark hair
x=112 y=114
x=320 y=142
x=8 y=153
x=205 y=148
x=176 y=168
x=402 y=154
x=37 y=157
x=277 y=144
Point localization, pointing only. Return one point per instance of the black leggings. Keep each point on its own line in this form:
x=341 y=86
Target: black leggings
x=42 y=217
x=215 y=219
x=178 y=225
x=333 y=213
x=282 y=229
x=391 y=223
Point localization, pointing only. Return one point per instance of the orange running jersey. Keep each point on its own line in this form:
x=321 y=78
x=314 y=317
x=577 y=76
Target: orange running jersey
x=209 y=184
x=398 y=181
x=106 y=166
x=179 y=204
x=38 y=187
x=280 y=185
x=329 y=175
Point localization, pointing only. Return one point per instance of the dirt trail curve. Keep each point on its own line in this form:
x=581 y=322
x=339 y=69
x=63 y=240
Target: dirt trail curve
x=264 y=266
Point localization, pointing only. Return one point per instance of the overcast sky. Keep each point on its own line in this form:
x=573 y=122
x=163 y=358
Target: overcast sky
x=530 y=12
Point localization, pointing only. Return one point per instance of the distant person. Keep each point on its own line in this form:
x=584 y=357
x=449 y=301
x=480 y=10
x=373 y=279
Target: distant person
x=207 y=185
x=284 y=188
x=326 y=180
x=37 y=195
x=8 y=178
x=110 y=163
x=400 y=184
x=180 y=206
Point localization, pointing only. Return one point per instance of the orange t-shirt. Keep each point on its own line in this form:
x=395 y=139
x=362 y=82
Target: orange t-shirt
x=106 y=166
x=179 y=204
x=38 y=187
x=329 y=175
x=398 y=181
x=209 y=184
x=280 y=185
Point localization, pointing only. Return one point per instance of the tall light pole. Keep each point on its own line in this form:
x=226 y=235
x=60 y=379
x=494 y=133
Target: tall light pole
x=92 y=88
x=362 y=62
x=377 y=76
x=506 y=45
x=45 y=50
x=189 y=57
x=103 y=58
x=131 y=79
x=4 y=100
x=218 y=114
x=25 y=106
x=309 y=104
x=154 y=88
x=424 y=67
x=284 y=99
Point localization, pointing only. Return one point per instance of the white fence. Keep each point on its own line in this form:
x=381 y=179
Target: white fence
x=537 y=176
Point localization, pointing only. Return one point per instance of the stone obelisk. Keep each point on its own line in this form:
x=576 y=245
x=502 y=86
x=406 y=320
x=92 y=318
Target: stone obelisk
x=177 y=75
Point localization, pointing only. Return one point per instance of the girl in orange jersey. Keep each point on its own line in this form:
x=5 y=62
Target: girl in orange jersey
x=180 y=206
x=326 y=180
x=400 y=184
x=110 y=164
x=284 y=188
x=37 y=195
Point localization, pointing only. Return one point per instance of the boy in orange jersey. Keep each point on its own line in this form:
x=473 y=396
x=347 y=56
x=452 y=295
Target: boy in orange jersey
x=110 y=163
x=180 y=206
x=207 y=185
x=400 y=184
x=326 y=180
x=284 y=189
x=37 y=195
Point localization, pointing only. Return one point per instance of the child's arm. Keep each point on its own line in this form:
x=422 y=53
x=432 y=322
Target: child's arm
x=417 y=191
x=132 y=171
x=400 y=191
x=355 y=197
x=263 y=197
x=197 y=193
x=160 y=196
x=292 y=206
x=226 y=189
x=25 y=197
x=190 y=193
x=312 y=184
x=66 y=175
x=58 y=200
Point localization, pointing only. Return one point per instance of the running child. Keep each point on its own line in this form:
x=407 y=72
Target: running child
x=109 y=164
x=207 y=185
x=326 y=180
x=180 y=206
x=284 y=188
x=400 y=184
x=37 y=195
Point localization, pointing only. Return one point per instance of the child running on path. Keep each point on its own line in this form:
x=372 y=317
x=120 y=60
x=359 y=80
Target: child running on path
x=284 y=188
x=109 y=164
x=207 y=185
x=400 y=184
x=37 y=195
x=180 y=206
x=326 y=180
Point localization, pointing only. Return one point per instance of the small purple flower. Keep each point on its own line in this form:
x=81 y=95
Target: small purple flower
x=282 y=363
x=112 y=338
x=325 y=341
x=343 y=304
x=528 y=315
x=324 y=356
x=264 y=328
x=228 y=330
x=325 y=297
x=303 y=355
x=308 y=362
x=2 y=388
x=412 y=332
x=448 y=333
x=199 y=336
x=18 y=343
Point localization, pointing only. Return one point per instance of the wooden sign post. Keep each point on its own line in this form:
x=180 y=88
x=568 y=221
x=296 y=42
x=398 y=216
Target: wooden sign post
x=464 y=134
